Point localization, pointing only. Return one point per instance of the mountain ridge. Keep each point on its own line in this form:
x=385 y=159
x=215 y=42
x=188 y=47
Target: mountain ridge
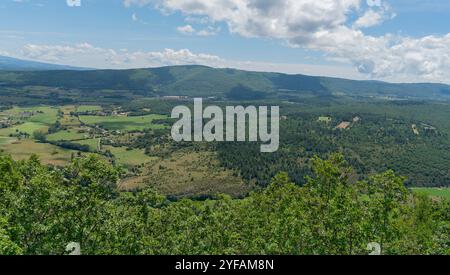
x=15 y=64
x=204 y=81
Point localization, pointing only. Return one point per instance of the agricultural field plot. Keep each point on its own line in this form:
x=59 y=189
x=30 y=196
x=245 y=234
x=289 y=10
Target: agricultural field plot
x=124 y=123
x=67 y=109
x=93 y=143
x=434 y=192
x=188 y=174
x=29 y=119
x=47 y=153
x=48 y=117
x=70 y=121
x=27 y=127
x=41 y=114
x=67 y=119
x=88 y=108
x=126 y=157
x=68 y=135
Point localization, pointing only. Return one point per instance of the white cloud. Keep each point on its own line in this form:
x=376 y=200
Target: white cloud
x=369 y=19
x=377 y=13
x=73 y=3
x=327 y=26
x=188 y=29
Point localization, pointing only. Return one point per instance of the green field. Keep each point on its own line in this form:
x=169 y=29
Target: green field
x=123 y=123
x=48 y=117
x=434 y=192
x=128 y=157
x=32 y=119
x=47 y=153
x=27 y=127
x=93 y=143
x=88 y=108
x=66 y=135
x=42 y=114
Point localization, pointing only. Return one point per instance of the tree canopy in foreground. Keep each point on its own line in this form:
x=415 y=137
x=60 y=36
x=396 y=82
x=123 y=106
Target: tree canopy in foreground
x=42 y=209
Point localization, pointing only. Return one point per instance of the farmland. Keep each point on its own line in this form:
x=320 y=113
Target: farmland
x=27 y=127
x=71 y=130
x=434 y=192
x=48 y=154
x=63 y=127
x=70 y=135
x=127 y=157
x=88 y=108
x=124 y=123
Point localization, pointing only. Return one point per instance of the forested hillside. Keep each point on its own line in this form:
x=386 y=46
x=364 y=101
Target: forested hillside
x=43 y=209
x=207 y=82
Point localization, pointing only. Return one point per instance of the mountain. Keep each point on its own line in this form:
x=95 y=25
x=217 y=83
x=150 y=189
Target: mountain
x=221 y=83
x=14 y=64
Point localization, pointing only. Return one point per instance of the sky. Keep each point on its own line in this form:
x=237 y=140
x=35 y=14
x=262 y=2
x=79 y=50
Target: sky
x=390 y=40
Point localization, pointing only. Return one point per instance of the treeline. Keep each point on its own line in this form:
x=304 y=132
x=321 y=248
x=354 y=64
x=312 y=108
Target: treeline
x=43 y=209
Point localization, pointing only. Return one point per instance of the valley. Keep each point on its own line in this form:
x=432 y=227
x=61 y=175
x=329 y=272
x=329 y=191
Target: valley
x=373 y=135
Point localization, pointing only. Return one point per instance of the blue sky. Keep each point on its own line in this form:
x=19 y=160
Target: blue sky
x=401 y=41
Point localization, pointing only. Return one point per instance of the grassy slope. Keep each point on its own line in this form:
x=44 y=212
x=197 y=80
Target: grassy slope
x=128 y=157
x=190 y=174
x=48 y=153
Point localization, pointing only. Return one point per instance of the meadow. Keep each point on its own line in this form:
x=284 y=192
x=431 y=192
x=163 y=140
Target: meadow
x=42 y=114
x=189 y=174
x=93 y=143
x=27 y=127
x=88 y=108
x=124 y=123
x=29 y=120
x=69 y=135
x=128 y=157
x=47 y=153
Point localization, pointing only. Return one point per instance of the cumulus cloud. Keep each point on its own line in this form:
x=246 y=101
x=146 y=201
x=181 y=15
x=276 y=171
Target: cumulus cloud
x=328 y=26
x=369 y=19
x=377 y=13
x=188 y=29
